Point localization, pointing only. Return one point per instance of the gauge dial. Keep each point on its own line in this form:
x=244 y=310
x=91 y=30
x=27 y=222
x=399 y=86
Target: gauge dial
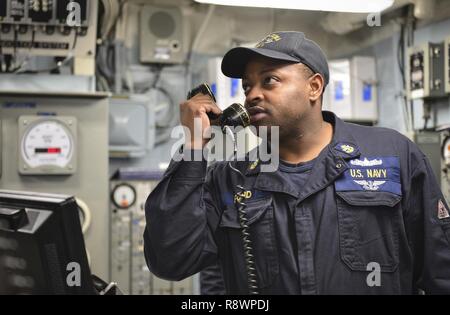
x=124 y=196
x=47 y=143
x=446 y=151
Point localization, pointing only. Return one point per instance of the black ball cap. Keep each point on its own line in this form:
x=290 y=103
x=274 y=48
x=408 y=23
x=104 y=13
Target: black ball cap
x=291 y=47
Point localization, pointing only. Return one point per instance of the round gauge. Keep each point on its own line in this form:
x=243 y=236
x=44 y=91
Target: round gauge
x=124 y=196
x=47 y=143
x=446 y=151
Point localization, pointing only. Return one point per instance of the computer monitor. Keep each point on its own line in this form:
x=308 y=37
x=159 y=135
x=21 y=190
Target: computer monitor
x=42 y=248
x=3 y=288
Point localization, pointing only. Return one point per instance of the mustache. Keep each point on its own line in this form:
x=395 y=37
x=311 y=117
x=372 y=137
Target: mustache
x=253 y=110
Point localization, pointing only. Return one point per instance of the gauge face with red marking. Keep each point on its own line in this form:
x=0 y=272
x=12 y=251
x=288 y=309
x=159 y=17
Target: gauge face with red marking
x=446 y=151
x=124 y=196
x=47 y=143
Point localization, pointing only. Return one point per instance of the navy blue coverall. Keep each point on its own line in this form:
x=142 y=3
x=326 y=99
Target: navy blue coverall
x=370 y=198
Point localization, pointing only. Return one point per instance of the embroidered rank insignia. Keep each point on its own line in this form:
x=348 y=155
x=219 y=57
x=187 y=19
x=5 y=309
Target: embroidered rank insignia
x=442 y=210
x=372 y=174
x=346 y=148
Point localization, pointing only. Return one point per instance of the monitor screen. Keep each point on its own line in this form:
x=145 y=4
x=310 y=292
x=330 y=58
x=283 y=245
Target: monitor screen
x=42 y=248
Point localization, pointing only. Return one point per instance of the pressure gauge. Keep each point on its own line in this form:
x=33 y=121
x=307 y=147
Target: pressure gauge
x=123 y=196
x=446 y=151
x=47 y=145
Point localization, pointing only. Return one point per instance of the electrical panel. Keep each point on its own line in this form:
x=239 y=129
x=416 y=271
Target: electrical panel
x=226 y=90
x=58 y=143
x=17 y=9
x=52 y=12
x=40 y=11
x=447 y=65
x=48 y=27
x=129 y=192
x=337 y=97
x=425 y=76
x=352 y=91
x=62 y=8
x=161 y=35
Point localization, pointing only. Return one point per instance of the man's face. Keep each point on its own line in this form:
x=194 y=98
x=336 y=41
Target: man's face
x=277 y=94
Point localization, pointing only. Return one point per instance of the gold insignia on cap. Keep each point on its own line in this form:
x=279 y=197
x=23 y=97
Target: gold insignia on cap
x=274 y=37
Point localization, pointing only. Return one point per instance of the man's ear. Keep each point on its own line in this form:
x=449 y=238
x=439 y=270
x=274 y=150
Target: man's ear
x=316 y=84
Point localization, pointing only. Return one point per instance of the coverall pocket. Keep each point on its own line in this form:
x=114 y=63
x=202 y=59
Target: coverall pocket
x=367 y=229
x=259 y=214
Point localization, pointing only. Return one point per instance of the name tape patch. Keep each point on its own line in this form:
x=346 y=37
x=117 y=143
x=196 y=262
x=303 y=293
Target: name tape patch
x=372 y=174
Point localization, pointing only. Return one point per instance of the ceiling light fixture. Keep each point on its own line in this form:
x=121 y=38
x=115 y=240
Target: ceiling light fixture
x=355 y=6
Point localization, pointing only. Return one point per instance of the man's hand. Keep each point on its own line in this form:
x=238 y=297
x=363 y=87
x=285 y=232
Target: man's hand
x=197 y=107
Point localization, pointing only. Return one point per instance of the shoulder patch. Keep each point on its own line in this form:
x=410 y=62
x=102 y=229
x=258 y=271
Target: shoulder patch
x=442 y=210
x=371 y=174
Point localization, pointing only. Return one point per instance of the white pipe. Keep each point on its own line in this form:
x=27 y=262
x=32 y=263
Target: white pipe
x=87 y=216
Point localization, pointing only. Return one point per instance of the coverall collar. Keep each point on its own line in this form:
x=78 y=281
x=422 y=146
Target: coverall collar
x=329 y=165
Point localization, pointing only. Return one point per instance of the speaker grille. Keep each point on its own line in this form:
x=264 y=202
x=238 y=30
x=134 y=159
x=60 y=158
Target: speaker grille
x=162 y=24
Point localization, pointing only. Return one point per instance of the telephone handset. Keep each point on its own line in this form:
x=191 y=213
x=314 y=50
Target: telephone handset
x=234 y=115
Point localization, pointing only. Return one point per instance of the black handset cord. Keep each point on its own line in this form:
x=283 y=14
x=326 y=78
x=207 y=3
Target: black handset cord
x=252 y=279
x=239 y=196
